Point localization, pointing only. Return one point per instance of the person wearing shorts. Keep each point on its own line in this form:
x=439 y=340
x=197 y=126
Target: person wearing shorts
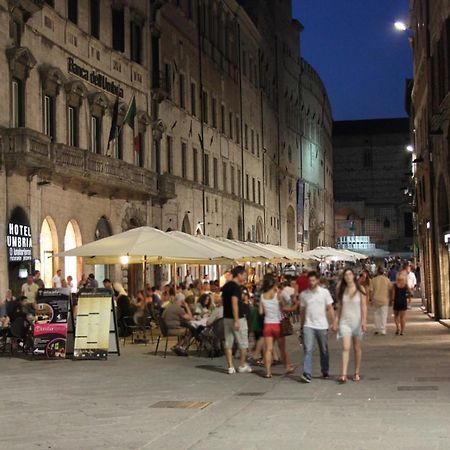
x=271 y=306
x=234 y=323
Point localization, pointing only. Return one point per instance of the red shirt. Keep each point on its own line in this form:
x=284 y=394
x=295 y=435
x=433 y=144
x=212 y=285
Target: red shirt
x=302 y=283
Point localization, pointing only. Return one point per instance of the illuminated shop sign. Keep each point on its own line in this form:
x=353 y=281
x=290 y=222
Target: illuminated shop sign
x=94 y=77
x=19 y=242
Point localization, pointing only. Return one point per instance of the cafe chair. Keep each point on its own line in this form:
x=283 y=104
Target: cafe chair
x=165 y=333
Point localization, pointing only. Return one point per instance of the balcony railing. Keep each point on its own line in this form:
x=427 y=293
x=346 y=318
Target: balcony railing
x=34 y=152
x=161 y=86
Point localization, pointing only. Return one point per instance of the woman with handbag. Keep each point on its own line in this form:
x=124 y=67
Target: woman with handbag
x=271 y=306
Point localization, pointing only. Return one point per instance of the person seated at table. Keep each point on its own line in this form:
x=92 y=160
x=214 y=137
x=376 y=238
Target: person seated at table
x=177 y=317
x=124 y=307
x=204 y=305
x=217 y=312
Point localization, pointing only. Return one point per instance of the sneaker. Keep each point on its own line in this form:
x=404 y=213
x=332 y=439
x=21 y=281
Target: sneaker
x=306 y=377
x=245 y=369
x=325 y=375
x=231 y=371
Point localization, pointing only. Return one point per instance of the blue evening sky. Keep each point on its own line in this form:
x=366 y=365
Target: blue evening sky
x=362 y=60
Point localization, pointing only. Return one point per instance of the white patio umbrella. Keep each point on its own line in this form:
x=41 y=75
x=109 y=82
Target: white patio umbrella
x=221 y=248
x=146 y=245
x=355 y=255
x=287 y=253
x=251 y=252
x=321 y=253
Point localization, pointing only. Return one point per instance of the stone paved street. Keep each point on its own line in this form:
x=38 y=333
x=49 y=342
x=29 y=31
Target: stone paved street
x=403 y=401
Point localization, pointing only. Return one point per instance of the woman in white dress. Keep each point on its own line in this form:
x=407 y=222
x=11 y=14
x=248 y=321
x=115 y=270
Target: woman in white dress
x=351 y=320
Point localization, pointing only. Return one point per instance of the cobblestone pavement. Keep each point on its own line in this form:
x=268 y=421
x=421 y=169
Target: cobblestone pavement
x=403 y=401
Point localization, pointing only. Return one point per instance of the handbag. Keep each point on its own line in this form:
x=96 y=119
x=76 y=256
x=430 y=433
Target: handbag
x=286 y=328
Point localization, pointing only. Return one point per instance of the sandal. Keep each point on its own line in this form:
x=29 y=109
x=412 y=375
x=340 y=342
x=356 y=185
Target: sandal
x=356 y=378
x=268 y=375
x=290 y=369
x=343 y=379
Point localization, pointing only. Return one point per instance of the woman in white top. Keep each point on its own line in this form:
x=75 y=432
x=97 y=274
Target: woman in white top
x=271 y=306
x=351 y=321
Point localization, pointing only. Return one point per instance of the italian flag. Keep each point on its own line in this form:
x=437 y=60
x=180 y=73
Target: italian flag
x=130 y=120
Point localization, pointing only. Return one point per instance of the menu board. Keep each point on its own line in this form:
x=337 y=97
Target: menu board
x=50 y=328
x=93 y=324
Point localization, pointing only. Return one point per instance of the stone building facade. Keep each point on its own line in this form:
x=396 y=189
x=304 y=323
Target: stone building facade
x=430 y=113
x=316 y=197
x=372 y=170
x=216 y=143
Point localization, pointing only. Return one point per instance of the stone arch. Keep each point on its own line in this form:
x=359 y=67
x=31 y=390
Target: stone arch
x=259 y=235
x=230 y=234
x=186 y=225
x=72 y=239
x=290 y=223
x=48 y=246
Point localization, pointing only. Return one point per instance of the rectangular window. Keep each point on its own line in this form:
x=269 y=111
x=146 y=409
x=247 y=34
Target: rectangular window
x=214 y=112
x=72 y=126
x=215 y=174
x=182 y=89
x=190 y=9
x=238 y=130
x=118 y=30
x=222 y=119
x=225 y=176
x=206 y=170
x=118 y=145
x=252 y=141
x=95 y=134
x=230 y=120
x=18 y=109
x=257 y=146
x=239 y=182
x=246 y=136
x=139 y=152
x=156 y=157
x=259 y=192
x=195 y=164
x=253 y=190
x=233 y=191
x=169 y=154
x=184 y=160
x=72 y=10
x=247 y=187
x=49 y=116
x=368 y=158
x=205 y=107
x=193 y=99
x=168 y=79
x=135 y=42
x=94 y=18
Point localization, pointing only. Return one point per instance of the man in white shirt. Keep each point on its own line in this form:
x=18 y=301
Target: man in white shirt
x=30 y=289
x=411 y=281
x=316 y=304
x=57 y=280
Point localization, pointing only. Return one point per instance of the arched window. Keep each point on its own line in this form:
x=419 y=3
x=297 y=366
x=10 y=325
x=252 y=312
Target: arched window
x=72 y=239
x=48 y=244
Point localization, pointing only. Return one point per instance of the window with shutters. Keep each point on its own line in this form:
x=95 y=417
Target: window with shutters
x=118 y=30
x=94 y=18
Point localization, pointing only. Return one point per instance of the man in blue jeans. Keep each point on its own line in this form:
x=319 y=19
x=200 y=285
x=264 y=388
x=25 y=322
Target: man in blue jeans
x=315 y=303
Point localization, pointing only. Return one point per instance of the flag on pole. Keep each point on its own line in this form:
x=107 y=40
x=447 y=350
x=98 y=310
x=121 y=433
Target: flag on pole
x=130 y=120
x=113 y=132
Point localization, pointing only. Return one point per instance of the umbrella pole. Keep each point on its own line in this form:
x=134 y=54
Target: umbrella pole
x=144 y=276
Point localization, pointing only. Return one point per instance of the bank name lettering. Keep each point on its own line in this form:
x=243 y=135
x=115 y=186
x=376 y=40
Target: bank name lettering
x=94 y=77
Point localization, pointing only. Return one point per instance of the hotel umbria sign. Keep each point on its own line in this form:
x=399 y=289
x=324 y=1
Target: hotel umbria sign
x=19 y=242
x=94 y=77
